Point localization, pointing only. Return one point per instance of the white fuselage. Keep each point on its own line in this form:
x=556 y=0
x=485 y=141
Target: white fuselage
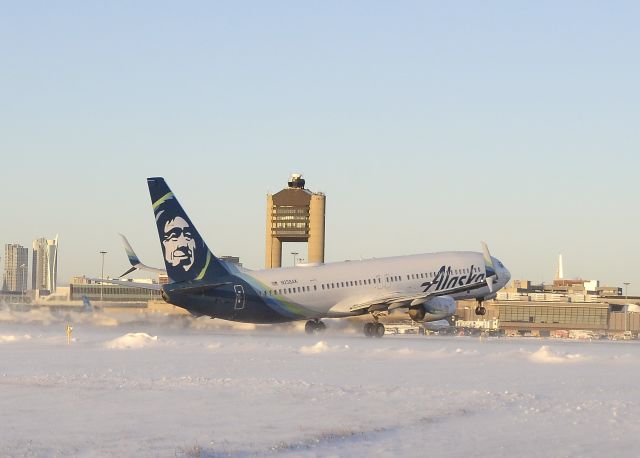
x=332 y=289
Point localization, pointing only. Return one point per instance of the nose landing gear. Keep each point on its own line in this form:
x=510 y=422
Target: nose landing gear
x=480 y=309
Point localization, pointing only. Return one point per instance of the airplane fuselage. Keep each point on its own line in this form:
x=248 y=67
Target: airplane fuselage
x=334 y=290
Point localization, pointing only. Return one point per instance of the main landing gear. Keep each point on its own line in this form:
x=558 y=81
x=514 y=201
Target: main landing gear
x=480 y=310
x=314 y=326
x=375 y=329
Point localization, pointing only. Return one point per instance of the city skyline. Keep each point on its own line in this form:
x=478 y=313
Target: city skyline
x=430 y=127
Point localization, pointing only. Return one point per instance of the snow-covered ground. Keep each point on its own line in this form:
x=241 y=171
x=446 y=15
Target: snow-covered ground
x=150 y=389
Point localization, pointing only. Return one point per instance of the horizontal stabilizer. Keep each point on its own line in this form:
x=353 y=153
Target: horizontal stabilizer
x=199 y=288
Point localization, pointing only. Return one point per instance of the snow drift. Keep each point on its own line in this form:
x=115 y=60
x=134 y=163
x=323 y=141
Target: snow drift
x=132 y=340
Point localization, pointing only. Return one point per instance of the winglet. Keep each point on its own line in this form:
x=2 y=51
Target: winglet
x=490 y=271
x=488 y=262
x=134 y=260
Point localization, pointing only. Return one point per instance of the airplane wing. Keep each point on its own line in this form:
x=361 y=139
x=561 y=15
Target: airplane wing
x=131 y=284
x=396 y=300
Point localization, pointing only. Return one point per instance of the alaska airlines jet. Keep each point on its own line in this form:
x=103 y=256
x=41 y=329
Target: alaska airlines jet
x=425 y=285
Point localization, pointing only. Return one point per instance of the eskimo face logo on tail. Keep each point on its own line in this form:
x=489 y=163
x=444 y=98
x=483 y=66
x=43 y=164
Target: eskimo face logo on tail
x=178 y=243
x=183 y=250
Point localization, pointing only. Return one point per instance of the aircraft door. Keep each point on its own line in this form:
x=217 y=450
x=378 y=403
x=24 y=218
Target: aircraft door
x=239 y=289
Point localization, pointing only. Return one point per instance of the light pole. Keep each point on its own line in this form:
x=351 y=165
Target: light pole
x=626 y=289
x=102 y=275
x=294 y=257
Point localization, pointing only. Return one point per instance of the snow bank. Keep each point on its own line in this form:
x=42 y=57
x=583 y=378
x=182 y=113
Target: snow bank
x=132 y=340
x=547 y=355
x=301 y=395
x=5 y=339
x=320 y=347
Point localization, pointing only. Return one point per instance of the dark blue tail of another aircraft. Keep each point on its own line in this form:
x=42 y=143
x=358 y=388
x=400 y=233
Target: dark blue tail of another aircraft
x=186 y=255
x=87 y=307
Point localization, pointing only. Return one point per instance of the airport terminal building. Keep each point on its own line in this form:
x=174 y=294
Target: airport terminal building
x=564 y=306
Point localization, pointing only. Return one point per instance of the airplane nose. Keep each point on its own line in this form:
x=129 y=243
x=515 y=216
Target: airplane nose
x=507 y=275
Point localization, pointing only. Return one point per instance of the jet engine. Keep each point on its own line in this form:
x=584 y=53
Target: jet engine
x=433 y=309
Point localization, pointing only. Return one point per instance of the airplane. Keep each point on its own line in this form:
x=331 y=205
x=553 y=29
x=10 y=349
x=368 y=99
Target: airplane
x=87 y=306
x=425 y=285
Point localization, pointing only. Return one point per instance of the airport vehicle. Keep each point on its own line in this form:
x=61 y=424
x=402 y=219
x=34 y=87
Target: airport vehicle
x=426 y=285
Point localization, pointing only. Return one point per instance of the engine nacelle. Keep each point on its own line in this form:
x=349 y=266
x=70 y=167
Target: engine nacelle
x=436 y=308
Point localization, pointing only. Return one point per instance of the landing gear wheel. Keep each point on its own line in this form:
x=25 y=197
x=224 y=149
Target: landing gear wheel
x=368 y=329
x=314 y=326
x=310 y=327
x=480 y=310
x=373 y=329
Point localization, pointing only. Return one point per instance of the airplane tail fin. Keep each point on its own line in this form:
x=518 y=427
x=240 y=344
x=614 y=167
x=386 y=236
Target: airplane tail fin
x=87 y=307
x=186 y=255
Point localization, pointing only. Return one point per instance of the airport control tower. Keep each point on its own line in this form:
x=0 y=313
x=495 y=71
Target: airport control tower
x=295 y=214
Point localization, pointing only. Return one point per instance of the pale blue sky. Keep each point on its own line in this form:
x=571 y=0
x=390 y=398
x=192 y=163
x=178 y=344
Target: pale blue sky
x=429 y=125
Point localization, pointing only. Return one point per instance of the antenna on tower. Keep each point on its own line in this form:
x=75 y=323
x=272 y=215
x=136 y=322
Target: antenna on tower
x=559 y=272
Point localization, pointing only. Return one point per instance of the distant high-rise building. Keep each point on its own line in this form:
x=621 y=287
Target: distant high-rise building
x=44 y=271
x=16 y=267
x=38 y=271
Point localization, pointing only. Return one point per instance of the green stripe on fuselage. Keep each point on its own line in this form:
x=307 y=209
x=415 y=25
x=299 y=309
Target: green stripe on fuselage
x=283 y=302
